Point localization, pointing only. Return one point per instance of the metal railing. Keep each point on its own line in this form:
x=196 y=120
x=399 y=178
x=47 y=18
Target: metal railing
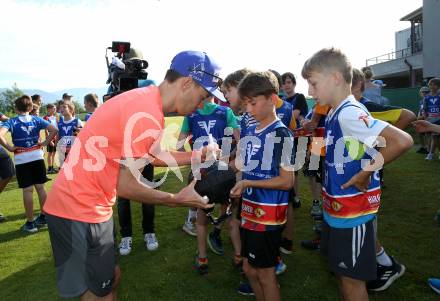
x=403 y=53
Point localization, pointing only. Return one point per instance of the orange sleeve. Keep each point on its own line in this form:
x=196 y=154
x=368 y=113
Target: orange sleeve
x=322 y=109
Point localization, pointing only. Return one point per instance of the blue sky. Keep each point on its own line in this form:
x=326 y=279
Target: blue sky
x=53 y=45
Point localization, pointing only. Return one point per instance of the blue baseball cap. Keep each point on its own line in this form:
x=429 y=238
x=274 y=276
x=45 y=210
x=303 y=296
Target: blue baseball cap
x=202 y=69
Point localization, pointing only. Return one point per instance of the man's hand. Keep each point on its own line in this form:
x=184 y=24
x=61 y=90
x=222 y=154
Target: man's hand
x=423 y=126
x=361 y=181
x=211 y=152
x=52 y=144
x=238 y=189
x=188 y=197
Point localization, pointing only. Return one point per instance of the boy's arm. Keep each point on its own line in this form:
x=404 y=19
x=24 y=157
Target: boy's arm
x=283 y=182
x=397 y=143
x=52 y=132
x=405 y=119
x=3 y=141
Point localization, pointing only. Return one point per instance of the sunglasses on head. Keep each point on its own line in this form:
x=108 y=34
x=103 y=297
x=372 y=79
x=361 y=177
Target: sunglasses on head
x=219 y=80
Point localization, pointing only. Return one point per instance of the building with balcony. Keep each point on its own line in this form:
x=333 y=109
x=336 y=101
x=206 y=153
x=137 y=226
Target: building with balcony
x=417 y=53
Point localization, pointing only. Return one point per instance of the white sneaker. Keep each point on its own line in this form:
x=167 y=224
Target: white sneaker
x=189 y=228
x=429 y=157
x=151 y=240
x=125 y=246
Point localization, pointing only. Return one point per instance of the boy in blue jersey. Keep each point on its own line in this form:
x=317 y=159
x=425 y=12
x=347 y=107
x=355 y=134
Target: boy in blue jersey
x=91 y=102
x=351 y=188
x=265 y=152
x=68 y=127
x=28 y=156
x=51 y=147
x=432 y=114
x=208 y=124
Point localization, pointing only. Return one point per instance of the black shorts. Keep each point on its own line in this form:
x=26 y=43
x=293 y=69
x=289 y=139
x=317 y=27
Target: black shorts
x=6 y=168
x=351 y=252
x=31 y=173
x=261 y=248
x=85 y=256
x=51 y=148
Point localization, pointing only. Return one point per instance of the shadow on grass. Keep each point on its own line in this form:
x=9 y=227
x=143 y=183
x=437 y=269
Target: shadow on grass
x=16 y=234
x=42 y=287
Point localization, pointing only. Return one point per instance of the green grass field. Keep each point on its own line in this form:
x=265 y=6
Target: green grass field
x=406 y=228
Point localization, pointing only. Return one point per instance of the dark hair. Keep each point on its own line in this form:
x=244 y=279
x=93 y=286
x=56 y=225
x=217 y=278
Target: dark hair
x=367 y=73
x=287 y=75
x=35 y=109
x=278 y=76
x=358 y=76
x=258 y=83
x=50 y=106
x=24 y=103
x=328 y=59
x=171 y=76
x=92 y=99
x=35 y=97
x=234 y=79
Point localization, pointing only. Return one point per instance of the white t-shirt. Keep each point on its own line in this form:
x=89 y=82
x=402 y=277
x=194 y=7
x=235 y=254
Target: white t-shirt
x=358 y=123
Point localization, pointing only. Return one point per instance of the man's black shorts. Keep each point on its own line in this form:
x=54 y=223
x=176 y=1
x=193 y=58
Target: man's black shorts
x=31 y=173
x=261 y=248
x=85 y=256
x=6 y=168
x=351 y=252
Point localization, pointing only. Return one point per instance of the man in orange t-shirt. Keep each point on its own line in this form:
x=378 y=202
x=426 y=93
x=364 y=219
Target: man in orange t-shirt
x=104 y=162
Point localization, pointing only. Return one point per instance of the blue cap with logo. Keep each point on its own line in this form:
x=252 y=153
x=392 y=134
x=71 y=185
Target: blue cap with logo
x=201 y=68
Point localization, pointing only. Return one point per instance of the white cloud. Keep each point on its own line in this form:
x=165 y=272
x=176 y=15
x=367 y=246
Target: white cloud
x=60 y=44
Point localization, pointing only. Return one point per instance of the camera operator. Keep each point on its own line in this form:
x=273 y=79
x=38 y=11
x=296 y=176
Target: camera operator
x=124 y=208
x=104 y=163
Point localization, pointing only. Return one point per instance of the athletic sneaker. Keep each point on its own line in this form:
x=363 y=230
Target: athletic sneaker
x=429 y=157
x=386 y=275
x=434 y=283
x=316 y=210
x=189 y=228
x=280 y=268
x=245 y=289
x=202 y=265
x=296 y=203
x=286 y=246
x=40 y=221
x=313 y=244
x=29 y=227
x=215 y=243
x=151 y=241
x=125 y=246
x=2 y=218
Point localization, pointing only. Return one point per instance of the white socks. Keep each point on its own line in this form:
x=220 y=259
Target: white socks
x=192 y=215
x=382 y=258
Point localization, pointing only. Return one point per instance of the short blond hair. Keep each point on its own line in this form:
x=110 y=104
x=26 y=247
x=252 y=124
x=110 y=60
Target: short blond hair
x=326 y=59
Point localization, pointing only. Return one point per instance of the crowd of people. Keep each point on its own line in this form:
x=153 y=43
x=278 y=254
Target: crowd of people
x=251 y=109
